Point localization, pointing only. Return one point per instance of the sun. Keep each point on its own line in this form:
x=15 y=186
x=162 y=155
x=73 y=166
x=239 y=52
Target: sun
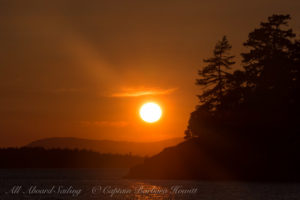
x=150 y=112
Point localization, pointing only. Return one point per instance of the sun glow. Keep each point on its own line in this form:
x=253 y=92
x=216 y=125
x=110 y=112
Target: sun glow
x=150 y=112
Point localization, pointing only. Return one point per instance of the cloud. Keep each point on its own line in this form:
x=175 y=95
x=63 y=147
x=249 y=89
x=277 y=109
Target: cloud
x=104 y=123
x=134 y=92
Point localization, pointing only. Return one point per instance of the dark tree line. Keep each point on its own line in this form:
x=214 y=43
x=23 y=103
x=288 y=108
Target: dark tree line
x=259 y=103
x=36 y=157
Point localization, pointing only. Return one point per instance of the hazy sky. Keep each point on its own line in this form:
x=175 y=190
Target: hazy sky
x=79 y=68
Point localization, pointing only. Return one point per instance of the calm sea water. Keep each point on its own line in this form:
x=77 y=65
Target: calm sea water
x=55 y=184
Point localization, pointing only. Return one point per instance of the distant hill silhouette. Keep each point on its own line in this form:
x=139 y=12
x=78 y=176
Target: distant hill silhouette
x=27 y=157
x=107 y=146
x=218 y=160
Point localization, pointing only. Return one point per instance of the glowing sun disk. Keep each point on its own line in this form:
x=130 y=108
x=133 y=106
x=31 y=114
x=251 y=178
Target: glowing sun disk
x=150 y=112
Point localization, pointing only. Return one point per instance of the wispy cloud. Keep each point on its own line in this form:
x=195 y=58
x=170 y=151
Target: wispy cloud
x=104 y=123
x=136 y=92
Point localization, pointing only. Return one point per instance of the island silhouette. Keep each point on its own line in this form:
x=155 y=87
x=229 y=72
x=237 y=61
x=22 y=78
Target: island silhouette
x=246 y=126
x=106 y=146
x=37 y=157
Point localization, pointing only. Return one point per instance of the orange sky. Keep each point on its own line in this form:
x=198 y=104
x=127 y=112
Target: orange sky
x=84 y=68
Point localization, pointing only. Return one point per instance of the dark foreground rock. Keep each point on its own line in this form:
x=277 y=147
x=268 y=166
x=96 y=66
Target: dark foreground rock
x=217 y=160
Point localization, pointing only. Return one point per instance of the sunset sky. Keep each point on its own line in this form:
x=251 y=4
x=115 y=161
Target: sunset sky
x=84 y=68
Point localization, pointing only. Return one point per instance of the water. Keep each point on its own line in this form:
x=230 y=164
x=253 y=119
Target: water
x=55 y=184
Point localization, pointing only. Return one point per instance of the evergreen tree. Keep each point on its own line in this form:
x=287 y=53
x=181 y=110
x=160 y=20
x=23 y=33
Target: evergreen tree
x=213 y=76
x=268 y=62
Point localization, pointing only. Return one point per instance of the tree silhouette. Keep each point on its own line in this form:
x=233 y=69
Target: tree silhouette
x=213 y=76
x=263 y=98
x=268 y=62
x=272 y=77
